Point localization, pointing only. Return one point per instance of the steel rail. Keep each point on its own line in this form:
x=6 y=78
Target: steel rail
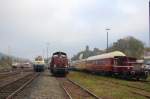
x=88 y=91
x=22 y=87
x=23 y=82
x=65 y=90
x=6 y=75
x=69 y=96
x=14 y=81
x=76 y=84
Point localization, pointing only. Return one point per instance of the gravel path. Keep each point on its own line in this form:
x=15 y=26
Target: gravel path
x=44 y=87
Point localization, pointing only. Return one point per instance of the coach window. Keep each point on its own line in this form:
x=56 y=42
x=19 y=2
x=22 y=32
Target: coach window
x=89 y=62
x=96 y=62
x=93 y=62
x=103 y=62
x=99 y=61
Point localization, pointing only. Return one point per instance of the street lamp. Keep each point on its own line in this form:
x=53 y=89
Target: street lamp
x=47 y=48
x=149 y=23
x=107 y=39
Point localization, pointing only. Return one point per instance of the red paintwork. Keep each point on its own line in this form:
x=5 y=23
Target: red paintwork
x=122 y=69
x=108 y=65
x=126 y=67
x=59 y=61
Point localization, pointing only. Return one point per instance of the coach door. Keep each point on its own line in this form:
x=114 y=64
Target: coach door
x=115 y=62
x=114 y=68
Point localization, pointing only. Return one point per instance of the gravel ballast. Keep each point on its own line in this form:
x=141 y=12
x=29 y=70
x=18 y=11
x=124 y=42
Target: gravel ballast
x=44 y=87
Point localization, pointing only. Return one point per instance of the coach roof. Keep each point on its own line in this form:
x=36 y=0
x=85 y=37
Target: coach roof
x=106 y=55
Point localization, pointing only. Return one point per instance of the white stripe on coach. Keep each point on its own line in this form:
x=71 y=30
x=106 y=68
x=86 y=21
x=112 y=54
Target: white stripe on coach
x=123 y=66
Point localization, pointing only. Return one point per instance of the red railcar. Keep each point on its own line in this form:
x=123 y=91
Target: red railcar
x=114 y=63
x=59 y=63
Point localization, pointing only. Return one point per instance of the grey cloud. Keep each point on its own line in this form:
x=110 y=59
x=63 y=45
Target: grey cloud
x=69 y=25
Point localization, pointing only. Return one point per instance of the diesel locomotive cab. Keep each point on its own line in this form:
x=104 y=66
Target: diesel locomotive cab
x=39 y=64
x=59 y=63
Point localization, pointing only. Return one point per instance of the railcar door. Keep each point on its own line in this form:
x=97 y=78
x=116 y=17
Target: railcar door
x=115 y=62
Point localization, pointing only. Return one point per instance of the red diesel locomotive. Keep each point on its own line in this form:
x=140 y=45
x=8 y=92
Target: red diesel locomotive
x=114 y=63
x=59 y=63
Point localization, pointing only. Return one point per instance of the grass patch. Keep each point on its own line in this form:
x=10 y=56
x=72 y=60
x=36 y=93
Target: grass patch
x=107 y=87
x=5 y=67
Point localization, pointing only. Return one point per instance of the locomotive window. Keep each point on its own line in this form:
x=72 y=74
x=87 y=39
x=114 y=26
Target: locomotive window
x=39 y=59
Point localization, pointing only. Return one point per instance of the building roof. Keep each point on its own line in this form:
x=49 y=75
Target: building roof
x=106 y=55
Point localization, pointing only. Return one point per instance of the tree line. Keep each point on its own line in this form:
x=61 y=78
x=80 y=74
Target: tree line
x=131 y=46
x=5 y=62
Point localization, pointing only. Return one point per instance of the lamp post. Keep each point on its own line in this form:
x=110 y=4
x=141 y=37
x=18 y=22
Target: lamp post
x=149 y=23
x=107 y=39
x=47 y=52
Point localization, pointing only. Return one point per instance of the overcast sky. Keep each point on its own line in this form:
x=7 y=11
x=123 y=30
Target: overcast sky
x=26 y=26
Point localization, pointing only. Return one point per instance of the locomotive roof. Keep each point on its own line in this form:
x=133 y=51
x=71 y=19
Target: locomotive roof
x=106 y=55
x=62 y=53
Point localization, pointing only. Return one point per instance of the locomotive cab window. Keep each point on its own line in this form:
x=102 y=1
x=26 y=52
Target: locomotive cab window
x=38 y=58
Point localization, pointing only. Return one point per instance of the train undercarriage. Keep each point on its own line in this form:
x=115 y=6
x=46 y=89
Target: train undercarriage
x=59 y=71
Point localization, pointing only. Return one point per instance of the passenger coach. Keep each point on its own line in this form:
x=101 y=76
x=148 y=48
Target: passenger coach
x=114 y=63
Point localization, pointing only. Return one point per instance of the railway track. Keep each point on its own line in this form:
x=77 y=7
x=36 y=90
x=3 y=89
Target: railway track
x=74 y=90
x=8 y=91
x=4 y=75
x=4 y=70
x=8 y=74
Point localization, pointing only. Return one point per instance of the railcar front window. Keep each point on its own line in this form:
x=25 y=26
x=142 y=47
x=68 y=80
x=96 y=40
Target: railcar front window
x=121 y=61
